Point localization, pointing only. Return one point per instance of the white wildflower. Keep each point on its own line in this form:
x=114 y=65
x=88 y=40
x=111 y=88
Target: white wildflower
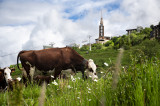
x=52 y=76
x=106 y=64
x=88 y=88
x=95 y=80
x=102 y=72
x=79 y=78
x=73 y=79
x=89 y=92
x=55 y=83
x=78 y=97
x=90 y=76
x=89 y=99
x=69 y=86
x=18 y=78
x=48 y=84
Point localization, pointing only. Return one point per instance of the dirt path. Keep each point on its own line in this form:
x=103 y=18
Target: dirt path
x=117 y=68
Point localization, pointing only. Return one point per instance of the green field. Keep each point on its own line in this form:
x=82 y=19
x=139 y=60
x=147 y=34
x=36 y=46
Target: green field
x=138 y=84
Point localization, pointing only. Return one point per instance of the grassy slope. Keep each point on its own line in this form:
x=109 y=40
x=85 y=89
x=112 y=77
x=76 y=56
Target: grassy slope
x=138 y=85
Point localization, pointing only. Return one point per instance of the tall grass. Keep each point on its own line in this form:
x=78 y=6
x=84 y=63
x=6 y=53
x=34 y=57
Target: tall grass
x=138 y=84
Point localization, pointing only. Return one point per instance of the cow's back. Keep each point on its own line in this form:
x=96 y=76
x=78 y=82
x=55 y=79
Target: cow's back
x=48 y=59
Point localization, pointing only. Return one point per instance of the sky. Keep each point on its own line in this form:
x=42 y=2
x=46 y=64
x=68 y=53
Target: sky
x=30 y=24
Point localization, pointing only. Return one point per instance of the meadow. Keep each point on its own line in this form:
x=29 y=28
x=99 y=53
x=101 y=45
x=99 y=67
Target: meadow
x=138 y=84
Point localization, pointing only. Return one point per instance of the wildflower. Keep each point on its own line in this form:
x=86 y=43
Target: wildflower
x=73 y=79
x=48 y=84
x=95 y=80
x=106 y=64
x=55 y=83
x=89 y=99
x=52 y=76
x=90 y=76
x=79 y=78
x=88 y=88
x=78 y=97
x=102 y=72
x=89 y=92
x=18 y=78
x=69 y=86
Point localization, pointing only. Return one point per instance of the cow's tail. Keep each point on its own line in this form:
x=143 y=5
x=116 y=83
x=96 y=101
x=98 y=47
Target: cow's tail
x=18 y=58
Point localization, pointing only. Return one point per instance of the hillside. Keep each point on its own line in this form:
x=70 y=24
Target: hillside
x=132 y=80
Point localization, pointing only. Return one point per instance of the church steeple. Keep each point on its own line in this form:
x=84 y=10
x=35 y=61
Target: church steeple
x=101 y=22
x=101 y=28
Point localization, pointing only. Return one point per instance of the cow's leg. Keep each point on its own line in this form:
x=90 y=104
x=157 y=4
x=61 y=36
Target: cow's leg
x=83 y=75
x=25 y=73
x=57 y=73
x=32 y=70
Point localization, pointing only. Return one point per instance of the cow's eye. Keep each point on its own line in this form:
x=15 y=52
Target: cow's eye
x=90 y=70
x=5 y=73
x=95 y=74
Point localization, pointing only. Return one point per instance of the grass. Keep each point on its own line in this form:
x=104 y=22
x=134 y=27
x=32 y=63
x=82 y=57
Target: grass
x=138 y=84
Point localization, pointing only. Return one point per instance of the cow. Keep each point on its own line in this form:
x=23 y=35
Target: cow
x=14 y=83
x=42 y=78
x=5 y=77
x=56 y=60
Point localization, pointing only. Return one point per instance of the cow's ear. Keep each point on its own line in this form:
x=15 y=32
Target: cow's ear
x=1 y=70
x=12 y=70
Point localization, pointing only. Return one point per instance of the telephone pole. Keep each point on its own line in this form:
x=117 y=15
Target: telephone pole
x=52 y=43
x=89 y=42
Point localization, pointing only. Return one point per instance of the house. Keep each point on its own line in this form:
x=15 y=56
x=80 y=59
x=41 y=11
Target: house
x=155 y=33
x=138 y=29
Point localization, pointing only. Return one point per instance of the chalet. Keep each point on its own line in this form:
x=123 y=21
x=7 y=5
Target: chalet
x=138 y=29
x=155 y=33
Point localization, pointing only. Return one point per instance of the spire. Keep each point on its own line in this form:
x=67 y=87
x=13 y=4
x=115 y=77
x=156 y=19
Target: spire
x=101 y=28
x=101 y=22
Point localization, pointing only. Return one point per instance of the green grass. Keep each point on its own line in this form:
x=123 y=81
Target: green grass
x=138 y=84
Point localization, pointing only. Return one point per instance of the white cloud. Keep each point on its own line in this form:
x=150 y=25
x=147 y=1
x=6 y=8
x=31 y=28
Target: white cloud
x=32 y=24
x=11 y=41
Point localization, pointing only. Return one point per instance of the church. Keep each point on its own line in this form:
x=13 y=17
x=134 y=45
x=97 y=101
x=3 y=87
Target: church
x=102 y=39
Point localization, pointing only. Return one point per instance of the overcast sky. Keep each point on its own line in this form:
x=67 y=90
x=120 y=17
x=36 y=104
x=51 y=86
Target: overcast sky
x=30 y=24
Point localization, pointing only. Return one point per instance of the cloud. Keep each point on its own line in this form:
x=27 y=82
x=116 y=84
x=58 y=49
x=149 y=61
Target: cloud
x=28 y=24
x=11 y=41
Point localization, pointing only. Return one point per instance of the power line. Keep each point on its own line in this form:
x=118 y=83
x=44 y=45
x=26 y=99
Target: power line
x=18 y=51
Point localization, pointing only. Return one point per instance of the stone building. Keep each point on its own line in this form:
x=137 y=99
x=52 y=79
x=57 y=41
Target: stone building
x=155 y=33
x=102 y=39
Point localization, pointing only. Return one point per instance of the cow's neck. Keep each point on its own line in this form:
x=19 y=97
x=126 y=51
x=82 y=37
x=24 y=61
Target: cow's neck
x=85 y=62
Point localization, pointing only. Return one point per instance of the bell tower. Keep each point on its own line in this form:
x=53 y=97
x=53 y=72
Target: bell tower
x=101 y=28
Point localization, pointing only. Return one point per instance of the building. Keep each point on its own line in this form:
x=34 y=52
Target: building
x=49 y=46
x=155 y=33
x=138 y=29
x=102 y=39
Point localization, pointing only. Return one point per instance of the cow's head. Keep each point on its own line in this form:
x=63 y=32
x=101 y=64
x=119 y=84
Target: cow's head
x=6 y=73
x=91 y=69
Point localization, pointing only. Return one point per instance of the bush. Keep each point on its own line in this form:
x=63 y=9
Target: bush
x=126 y=47
x=148 y=48
x=84 y=48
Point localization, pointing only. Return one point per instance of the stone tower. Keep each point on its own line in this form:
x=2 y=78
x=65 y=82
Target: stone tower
x=101 y=28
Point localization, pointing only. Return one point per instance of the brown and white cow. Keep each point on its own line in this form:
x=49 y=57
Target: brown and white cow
x=54 y=59
x=5 y=77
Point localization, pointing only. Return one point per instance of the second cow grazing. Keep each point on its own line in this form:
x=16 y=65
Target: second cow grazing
x=5 y=77
x=56 y=60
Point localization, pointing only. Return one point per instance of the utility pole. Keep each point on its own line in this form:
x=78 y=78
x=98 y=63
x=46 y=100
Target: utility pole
x=52 y=43
x=89 y=42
